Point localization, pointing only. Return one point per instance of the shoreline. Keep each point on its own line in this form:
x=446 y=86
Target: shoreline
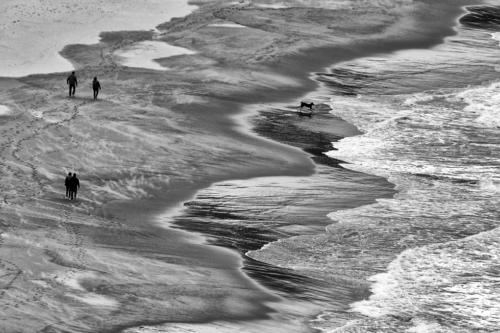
x=247 y=262
x=349 y=55
x=297 y=159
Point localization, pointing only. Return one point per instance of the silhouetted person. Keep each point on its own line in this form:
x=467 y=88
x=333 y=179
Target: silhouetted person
x=66 y=183
x=96 y=86
x=72 y=82
x=74 y=185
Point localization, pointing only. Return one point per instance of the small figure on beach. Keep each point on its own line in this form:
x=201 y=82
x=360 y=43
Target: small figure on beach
x=74 y=185
x=307 y=105
x=66 y=183
x=96 y=86
x=73 y=83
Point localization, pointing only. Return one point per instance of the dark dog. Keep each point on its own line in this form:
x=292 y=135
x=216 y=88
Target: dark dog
x=307 y=105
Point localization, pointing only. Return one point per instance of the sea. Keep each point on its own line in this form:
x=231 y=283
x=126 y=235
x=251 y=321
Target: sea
x=422 y=255
x=431 y=126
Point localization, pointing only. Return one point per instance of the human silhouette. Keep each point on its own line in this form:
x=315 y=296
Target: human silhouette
x=96 y=86
x=66 y=183
x=74 y=185
x=73 y=83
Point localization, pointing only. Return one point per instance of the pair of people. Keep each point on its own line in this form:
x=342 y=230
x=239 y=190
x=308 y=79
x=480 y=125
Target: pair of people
x=73 y=83
x=72 y=184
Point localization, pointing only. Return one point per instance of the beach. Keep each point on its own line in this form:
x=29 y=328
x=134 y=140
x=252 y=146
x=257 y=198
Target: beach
x=206 y=200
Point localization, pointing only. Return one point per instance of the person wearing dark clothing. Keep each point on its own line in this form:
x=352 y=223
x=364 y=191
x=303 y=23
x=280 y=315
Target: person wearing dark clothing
x=74 y=185
x=66 y=183
x=73 y=83
x=96 y=86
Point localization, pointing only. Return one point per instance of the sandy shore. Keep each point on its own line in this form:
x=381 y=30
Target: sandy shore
x=106 y=261
x=33 y=33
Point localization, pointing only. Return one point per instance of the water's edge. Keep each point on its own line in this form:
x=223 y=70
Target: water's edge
x=278 y=278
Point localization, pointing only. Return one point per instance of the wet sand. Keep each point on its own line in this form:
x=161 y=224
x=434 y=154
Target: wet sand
x=149 y=144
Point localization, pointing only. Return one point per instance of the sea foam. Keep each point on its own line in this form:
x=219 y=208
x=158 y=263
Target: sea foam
x=440 y=147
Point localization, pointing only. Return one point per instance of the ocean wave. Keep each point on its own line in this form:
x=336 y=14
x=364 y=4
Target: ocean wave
x=430 y=253
x=440 y=148
x=452 y=285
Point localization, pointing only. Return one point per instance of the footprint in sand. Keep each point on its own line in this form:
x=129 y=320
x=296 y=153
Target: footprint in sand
x=77 y=240
x=9 y=273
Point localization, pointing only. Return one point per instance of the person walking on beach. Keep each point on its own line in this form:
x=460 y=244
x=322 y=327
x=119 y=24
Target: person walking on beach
x=74 y=185
x=73 y=83
x=96 y=86
x=66 y=183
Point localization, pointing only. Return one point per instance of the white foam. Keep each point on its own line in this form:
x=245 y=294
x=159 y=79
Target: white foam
x=419 y=97
x=452 y=280
x=33 y=32
x=440 y=147
x=143 y=54
x=483 y=102
x=4 y=110
x=421 y=326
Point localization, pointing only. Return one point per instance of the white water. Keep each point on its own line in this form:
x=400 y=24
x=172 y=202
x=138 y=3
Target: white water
x=441 y=148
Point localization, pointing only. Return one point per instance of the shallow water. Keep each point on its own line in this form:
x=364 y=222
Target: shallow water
x=430 y=119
